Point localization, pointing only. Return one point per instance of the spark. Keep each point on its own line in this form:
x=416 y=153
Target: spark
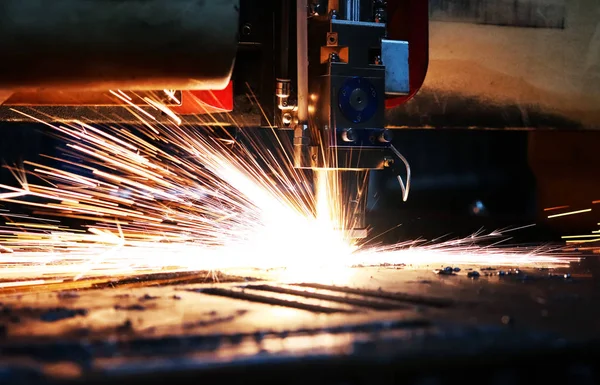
x=596 y=239
x=579 y=236
x=556 y=208
x=171 y=95
x=163 y=108
x=569 y=213
x=5 y=285
x=171 y=197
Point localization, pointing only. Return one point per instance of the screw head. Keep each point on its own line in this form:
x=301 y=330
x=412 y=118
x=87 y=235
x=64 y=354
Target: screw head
x=247 y=29
x=386 y=136
x=287 y=118
x=348 y=135
x=332 y=39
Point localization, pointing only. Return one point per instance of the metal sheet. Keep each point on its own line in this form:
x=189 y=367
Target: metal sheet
x=117 y=44
x=368 y=315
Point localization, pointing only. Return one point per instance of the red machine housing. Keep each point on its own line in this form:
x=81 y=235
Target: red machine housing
x=206 y=102
x=408 y=20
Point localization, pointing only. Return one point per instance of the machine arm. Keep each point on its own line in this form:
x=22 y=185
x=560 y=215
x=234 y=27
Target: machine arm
x=355 y=68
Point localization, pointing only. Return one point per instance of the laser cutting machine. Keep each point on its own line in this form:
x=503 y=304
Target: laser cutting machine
x=366 y=68
x=493 y=102
x=326 y=70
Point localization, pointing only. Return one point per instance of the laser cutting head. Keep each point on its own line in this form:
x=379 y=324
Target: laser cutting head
x=352 y=68
x=347 y=66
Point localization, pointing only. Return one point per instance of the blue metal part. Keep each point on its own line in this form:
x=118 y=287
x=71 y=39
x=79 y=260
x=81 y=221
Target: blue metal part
x=369 y=105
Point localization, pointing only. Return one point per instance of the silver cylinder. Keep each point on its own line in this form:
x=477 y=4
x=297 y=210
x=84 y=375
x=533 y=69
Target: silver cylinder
x=302 y=53
x=351 y=9
x=117 y=44
x=302 y=156
x=283 y=88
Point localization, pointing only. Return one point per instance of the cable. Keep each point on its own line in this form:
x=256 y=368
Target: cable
x=405 y=187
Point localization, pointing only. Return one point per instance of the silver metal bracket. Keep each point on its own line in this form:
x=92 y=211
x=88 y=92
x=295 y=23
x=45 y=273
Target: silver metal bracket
x=394 y=54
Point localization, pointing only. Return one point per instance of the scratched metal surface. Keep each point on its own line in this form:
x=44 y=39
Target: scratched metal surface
x=117 y=328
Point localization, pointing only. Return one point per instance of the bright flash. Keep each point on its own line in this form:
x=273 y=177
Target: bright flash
x=170 y=196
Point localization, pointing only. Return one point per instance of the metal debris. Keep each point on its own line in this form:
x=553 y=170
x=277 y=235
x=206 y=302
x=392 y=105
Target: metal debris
x=445 y=271
x=132 y=307
x=210 y=322
x=473 y=274
x=58 y=314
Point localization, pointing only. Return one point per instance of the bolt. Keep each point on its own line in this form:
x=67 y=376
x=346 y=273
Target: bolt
x=316 y=8
x=334 y=57
x=380 y=16
x=333 y=14
x=473 y=274
x=386 y=136
x=348 y=135
x=247 y=29
x=287 y=118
